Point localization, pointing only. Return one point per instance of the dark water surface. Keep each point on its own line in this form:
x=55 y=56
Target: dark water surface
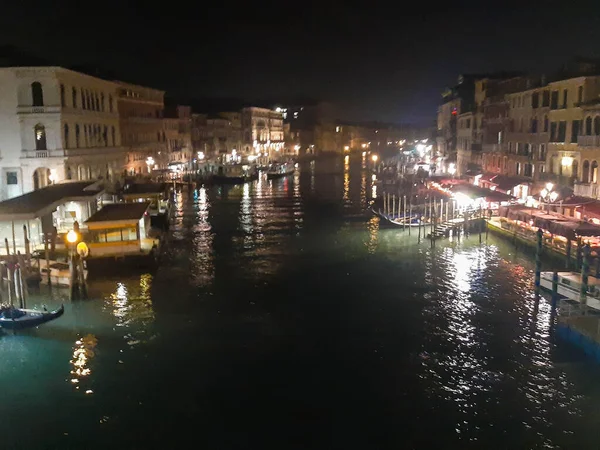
x=282 y=316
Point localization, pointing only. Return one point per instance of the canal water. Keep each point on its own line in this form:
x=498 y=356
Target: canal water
x=282 y=315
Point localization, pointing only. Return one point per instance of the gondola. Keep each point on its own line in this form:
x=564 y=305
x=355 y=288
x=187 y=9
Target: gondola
x=12 y=318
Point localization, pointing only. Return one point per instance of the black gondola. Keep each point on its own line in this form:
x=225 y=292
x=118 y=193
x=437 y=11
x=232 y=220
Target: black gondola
x=13 y=318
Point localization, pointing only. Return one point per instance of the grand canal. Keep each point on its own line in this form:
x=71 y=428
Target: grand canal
x=283 y=316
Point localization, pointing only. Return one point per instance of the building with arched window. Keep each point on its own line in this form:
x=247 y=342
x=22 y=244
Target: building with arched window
x=141 y=112
x=45 y=111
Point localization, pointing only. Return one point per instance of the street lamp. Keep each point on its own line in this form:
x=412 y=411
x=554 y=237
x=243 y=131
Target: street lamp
x=549 y=195
x=374 y=158
x=149 y=163
x=72 y=236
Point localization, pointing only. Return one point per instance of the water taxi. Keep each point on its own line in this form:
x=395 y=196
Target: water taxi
x=280 y=170
x=569 y=287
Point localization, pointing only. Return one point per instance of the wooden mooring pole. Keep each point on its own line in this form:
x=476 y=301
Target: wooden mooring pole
x=538 y=260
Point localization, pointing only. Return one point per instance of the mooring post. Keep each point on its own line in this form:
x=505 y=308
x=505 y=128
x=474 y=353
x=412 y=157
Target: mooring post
x=410 y=215
x=554 y=293
x=538 y=259
x=579 y=250
x=585 y=271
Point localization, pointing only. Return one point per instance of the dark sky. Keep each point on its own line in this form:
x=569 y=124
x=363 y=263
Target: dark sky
x=378 y=62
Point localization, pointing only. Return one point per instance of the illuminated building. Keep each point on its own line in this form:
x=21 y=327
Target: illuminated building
x=141 y=112
x=178 y=136
x=55 y=125
x=263 y=132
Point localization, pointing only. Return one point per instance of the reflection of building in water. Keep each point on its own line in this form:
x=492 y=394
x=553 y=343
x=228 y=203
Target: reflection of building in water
x=84 y=350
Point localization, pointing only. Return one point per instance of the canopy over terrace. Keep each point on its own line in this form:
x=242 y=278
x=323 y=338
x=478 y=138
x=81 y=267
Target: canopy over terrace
x=470 y=196
x=36 y=210
x=552 y=222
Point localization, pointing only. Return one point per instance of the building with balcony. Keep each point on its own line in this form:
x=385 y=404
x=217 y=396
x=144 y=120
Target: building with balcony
x=262 y=132
x=55 y=125
x=141 y=112
x=177 y=131
x=566 y=123
x=217 y=137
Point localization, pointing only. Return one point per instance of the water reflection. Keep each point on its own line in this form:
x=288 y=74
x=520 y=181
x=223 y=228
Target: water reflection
x=83 y=351
x=132 y=308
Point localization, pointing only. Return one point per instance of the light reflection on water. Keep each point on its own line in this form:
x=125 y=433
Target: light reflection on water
x=449 y=335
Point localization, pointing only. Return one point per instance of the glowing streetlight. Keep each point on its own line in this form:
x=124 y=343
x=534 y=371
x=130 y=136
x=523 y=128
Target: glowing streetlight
x=72 y=236
x=549 y=186
x=346 y=147
x=374 y=158
x=200 y=156
x=451 y=169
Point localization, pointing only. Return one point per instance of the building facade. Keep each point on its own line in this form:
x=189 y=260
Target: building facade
x=177 y=130
x=141 y=111
x=56 y=125
x=263 y=132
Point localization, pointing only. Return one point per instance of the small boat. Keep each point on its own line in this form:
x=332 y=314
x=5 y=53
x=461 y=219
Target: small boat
x=235 y=174
x=569 y=287
x=280 y=170
x=12 y=318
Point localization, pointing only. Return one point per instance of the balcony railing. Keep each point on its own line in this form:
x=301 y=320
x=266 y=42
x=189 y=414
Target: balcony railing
x=586 y=190
x=25 y=109
x=588 y=141
x=42 y=154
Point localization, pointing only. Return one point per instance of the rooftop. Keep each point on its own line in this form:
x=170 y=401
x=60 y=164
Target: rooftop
x=43 y=201
x=119 y=212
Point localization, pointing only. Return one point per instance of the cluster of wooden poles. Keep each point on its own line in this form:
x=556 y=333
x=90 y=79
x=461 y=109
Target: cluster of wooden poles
x=432 y=213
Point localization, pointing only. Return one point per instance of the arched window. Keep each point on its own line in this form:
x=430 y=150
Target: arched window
x=37 y=94
x=585 y=175
x=105 y=136
x=69 y=173
x=66 y=127
x=77 y=133
x=102 y=102
x=96 y=102
x=594 y=172
x=575 y=169
x=85 y=135
x=40 y=137
x=112 y=132
x=597 y=125
x=588 y=126
x=110 y=103
x=83 y=100
x=74 y=98
x=545 y=124
x=62 y=95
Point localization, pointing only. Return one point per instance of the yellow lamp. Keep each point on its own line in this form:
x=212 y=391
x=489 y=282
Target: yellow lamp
x=71 y=236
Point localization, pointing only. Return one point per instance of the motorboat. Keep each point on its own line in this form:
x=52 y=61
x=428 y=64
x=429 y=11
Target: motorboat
x=279 y=170
x=235 y=174
x=569 y=287
x=12 y=318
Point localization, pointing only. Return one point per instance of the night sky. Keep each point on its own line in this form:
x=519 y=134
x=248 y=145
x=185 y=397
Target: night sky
x=386 y=63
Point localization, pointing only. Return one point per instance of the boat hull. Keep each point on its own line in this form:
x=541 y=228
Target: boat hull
x=220 y=179
x=273 y=176
x=30 y=319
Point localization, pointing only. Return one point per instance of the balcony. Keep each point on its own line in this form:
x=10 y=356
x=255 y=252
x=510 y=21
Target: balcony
x=588 y=141
x=586 y=190
x=42 y=153
x=25 y=109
